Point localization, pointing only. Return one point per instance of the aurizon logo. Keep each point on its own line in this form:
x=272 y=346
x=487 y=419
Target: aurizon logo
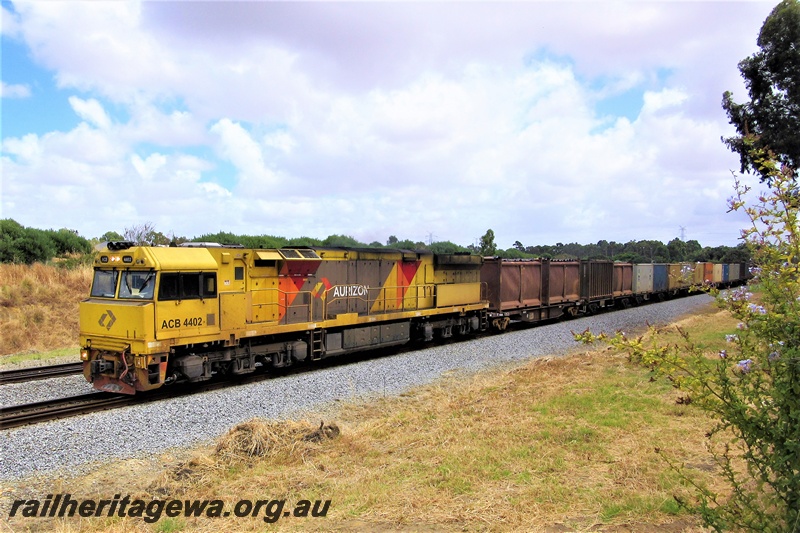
x=324 y=289
x=107 y=315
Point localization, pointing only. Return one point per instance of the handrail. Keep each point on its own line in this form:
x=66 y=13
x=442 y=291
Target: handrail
x=280 y=308
x=392 y=298
x=322 y=306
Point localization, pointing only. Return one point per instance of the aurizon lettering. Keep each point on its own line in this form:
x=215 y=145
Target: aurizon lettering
x=342 y=291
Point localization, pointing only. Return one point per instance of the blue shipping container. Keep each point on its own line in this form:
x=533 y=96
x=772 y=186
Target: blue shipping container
x=660 y=278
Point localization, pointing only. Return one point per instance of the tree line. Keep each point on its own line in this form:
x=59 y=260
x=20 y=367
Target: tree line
x=19 y=244
x=645 y=251
x=26 y=245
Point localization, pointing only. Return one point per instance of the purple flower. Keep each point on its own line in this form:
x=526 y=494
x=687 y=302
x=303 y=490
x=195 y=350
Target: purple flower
x=774 y=356
x=731 y=338
x=739 y=294
x=745 y=365
x=759 y=309
x=723 y=354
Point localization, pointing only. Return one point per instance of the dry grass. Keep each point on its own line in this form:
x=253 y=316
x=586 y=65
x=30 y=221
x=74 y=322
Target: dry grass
x=559 y=444
x=39 y=306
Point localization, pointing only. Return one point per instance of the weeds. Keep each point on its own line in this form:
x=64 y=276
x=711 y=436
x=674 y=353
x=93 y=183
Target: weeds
x=39 y=306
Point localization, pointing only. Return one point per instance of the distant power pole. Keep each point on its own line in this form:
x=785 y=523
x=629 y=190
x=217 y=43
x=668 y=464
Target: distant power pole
x=683 y=233
x=430 y=238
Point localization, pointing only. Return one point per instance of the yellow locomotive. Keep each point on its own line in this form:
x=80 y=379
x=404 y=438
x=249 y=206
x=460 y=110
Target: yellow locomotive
x=161 y=315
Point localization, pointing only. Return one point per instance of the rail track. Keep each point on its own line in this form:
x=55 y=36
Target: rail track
x=46 y=411
x=39 y=372
x=20 y=415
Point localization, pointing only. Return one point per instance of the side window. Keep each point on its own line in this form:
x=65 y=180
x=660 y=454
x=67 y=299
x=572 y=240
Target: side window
x=187 y=286
x=190 y=286
x=168 y=289
x=209 y=285
x=238 y=273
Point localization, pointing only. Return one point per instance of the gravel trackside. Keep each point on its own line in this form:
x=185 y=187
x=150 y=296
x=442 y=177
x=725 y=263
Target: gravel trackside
x=151 y=428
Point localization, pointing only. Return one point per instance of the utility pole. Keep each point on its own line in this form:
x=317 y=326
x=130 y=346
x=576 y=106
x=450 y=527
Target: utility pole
x=683 y=233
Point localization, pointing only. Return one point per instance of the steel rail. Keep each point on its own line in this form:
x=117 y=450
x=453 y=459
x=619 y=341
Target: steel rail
x=39 y=372
x=20 y=415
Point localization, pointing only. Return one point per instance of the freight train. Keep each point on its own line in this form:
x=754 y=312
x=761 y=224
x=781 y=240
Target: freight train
x=161 y=315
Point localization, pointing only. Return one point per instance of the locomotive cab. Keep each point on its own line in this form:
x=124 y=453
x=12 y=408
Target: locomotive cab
x=141 y=300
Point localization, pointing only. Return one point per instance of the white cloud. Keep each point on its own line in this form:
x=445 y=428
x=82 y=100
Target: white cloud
x=147 y=168
x=281 y=140
x=149 y=124
x=668 y=98
x=90 y=110
x=14 y=90
x=27 y=149
x=215 y=191
x=237 y=145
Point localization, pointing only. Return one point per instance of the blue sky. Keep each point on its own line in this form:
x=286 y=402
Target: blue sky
x=42 y=107
x=544 y=121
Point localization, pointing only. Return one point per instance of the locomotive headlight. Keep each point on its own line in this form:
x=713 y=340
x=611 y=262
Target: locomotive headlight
x=84 y=355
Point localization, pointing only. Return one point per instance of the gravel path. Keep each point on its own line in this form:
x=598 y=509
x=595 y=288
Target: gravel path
x=155 y=427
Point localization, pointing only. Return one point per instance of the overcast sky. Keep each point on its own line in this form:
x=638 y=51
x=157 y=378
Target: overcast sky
x=544 y=121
